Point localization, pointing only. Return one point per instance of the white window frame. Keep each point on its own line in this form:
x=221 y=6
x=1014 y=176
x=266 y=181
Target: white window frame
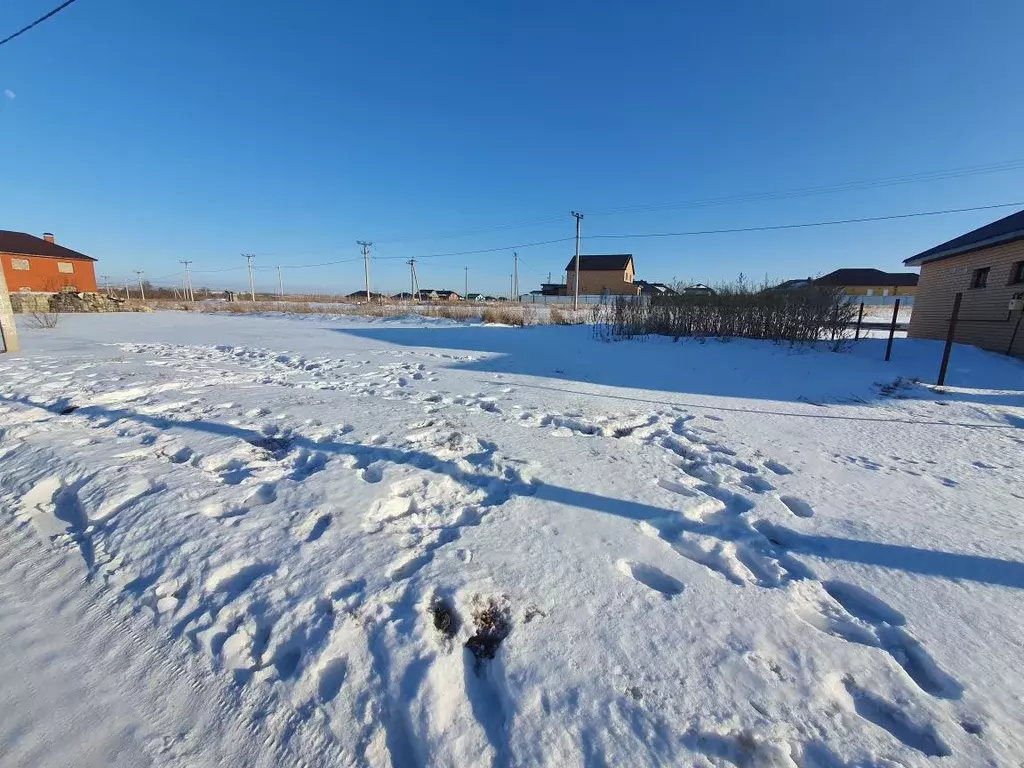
x=66 y=267
x=21 y=265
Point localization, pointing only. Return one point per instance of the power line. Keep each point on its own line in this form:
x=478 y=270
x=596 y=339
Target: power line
x=638 y=235
x=483 y=250
x=37 y=22
x=848 y=186
x=833 y=222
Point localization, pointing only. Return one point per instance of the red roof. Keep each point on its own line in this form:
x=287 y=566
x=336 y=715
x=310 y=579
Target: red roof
x=25 y=244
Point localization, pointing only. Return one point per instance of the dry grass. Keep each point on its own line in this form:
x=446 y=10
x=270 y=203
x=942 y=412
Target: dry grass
x=558 y=316
x=505 y=314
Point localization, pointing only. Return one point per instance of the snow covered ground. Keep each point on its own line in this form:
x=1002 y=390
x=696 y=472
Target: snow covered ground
x=238 y=540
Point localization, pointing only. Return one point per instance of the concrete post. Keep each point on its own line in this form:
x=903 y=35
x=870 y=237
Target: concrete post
x=8 y=333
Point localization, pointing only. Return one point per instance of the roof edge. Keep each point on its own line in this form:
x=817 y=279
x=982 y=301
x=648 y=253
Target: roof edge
x=77 y=255
x=916 y=261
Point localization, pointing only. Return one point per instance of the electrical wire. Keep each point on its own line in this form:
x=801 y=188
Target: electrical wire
x=636 y=235
x=915 y=178
x=37 y=22
x=771 y=227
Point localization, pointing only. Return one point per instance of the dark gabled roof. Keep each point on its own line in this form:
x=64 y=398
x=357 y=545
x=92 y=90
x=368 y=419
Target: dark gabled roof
x=868 y=277
x=25 y=244
x=1005 y=230
x=608 y=262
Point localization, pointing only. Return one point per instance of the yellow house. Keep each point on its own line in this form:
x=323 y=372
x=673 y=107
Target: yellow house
x=606 y=273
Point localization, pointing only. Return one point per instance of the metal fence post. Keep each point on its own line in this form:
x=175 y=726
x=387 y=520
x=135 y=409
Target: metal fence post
x=860 y=317
x=892 y=330
x=950 y=335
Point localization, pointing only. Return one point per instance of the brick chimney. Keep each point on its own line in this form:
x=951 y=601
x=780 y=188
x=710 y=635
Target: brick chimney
x=48 y=237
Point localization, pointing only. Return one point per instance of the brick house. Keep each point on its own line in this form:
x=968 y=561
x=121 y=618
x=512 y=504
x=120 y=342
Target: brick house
x=38 y=264
x=605 y=273
x=987 y=266
x=870 y=282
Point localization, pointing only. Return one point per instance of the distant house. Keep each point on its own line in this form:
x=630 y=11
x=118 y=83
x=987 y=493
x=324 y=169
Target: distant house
x=552 y=289
x=604 y=273
x=698 y=289
x=362 y=295
x=475 y=297
x=38 y=264
x=870 y=282
x=790 y=285
x=431 y=294
x=986 y=265
x=653 y=289
x=403 y=296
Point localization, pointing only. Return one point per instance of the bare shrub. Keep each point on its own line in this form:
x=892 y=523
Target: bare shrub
x=44 y=320
x=733 y=311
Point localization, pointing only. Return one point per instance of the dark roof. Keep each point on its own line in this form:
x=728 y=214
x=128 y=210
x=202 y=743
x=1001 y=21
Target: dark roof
x=786 y=285
x=608 y=262
x=646 y=286
x=868 y=277
x=1005 y=230
x=25 y=244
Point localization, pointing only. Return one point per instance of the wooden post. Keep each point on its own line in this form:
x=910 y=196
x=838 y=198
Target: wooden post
x=860 y=317
x=892 y=330
x=1016 y=327
x=8 y=331
x=950 y=335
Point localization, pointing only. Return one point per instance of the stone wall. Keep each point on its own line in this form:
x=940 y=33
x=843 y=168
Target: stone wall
x=25 y=302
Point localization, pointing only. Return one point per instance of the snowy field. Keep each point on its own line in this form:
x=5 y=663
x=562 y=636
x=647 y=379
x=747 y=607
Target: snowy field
x=260 y=541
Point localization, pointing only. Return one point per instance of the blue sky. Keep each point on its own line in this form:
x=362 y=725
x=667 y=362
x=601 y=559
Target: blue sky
x=144 y=133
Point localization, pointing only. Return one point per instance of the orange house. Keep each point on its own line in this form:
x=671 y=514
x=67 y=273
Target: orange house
x=38 y=264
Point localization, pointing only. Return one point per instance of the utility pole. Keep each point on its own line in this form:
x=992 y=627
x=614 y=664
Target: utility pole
x=510 y=287
x=366 y=263
x=414 y=281
x=515 y=271
x=248 y=260
x=127 y=293
x=142 y=288
x=106 y=283
x=189 y=296
x=576 y=264
x=280 y=283
x=465 y=293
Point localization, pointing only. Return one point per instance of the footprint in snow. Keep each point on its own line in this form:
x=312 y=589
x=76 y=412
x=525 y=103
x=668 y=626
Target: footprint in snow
x=798 y=507
x=651 y=577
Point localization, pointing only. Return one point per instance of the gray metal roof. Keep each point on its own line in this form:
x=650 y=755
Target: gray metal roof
x=1005 y=230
